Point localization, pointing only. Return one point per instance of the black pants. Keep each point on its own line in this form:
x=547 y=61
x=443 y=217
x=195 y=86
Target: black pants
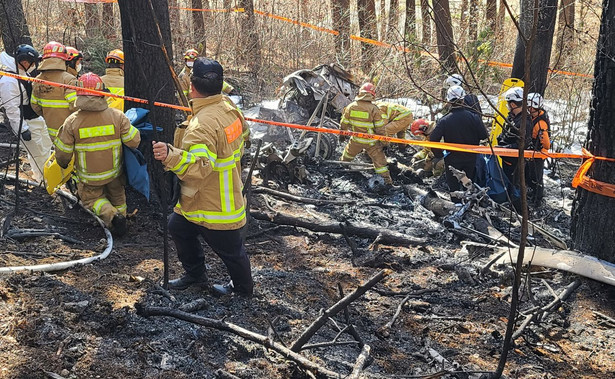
x=533 y=175
x=228 y=244
x=469 y=167
x=509 y=167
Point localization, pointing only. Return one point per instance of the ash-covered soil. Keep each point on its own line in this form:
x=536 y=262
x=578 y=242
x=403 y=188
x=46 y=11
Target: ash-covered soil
x=83 y=323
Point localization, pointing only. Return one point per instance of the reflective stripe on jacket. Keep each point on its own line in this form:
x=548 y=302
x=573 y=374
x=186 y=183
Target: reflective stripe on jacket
x=206 y=158
x=396 y=117
x=55 y=104
x=364 y=117
x=114 y=81
x=95 y=134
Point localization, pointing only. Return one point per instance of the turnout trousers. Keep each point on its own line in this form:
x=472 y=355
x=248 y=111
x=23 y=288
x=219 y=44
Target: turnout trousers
x=227 y=244
x=379 y=160
x=105 y=201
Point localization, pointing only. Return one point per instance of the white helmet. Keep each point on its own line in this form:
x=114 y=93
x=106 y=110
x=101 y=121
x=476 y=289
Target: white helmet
x=535 y=100
x=514 y=94
x=455 y=93
x=453 y=80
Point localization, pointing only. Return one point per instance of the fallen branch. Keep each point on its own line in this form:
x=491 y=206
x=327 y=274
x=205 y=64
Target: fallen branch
x=384 y=331
x=607 y=319
x=365 y=231
x=239 y=331
x=18 y=234
x=300 y=199
x=360 y=362
x=335 y=309
x=328 y=344
x=541 y=312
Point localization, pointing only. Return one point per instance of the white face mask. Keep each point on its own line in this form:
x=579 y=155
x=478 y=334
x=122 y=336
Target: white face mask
x=78 y=67
x=190 y=63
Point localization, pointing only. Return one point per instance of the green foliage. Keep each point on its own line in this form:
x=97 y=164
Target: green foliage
x=94 y=54
x=479 y=51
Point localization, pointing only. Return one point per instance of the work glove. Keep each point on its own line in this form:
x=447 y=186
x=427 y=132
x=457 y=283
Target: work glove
x=26 y=135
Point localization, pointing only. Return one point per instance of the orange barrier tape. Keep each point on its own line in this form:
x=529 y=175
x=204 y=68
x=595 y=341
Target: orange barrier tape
x=580 y=179
x=236 y=10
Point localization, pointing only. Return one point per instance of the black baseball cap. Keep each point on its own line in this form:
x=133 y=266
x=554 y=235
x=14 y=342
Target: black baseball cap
x=204 y=66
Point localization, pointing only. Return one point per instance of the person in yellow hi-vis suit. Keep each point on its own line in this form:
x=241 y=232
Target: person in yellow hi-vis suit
x=114 y=78
x=95 y=134
x=363 y=116
x=424 y=159
x=397 y=118
x=53 y=103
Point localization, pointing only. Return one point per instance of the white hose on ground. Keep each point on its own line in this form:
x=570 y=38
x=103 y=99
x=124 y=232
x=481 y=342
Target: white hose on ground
x=68 y=264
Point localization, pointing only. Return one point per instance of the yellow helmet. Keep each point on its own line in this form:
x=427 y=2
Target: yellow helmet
x=115 y=56
x=191 y=54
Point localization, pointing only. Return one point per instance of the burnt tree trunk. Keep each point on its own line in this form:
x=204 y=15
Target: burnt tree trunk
x=426 y=22
x=147 y=75
x=92 y=20
x=340 y=15
x=592 y=214
x=541 y=51
x=367 y=27
x=250 y=43
x=491 y=11
x=198 y=23
x=410 y=22
x=444 y=34
x=499 y=22
x=14 y=26
x=472 y=20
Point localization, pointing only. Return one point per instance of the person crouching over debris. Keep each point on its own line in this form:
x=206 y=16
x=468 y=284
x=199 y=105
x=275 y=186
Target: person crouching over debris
x=95 y=133
x=540 y=142
x=397 y=119
x=423 y=161
x=363 y=116
x=459 y=126
x=206 y=156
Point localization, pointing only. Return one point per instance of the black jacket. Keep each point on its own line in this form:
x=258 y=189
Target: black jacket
x=510 y=135
x=471 y=101
x=459 y=126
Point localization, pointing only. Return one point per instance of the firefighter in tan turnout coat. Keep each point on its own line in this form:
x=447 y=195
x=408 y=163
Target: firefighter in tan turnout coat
x=95 y=134
x=365 y=117
x=206 y=156
x=55 y=104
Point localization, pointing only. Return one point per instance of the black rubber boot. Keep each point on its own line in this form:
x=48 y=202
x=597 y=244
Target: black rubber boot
x=187 y=281
x=120 y=227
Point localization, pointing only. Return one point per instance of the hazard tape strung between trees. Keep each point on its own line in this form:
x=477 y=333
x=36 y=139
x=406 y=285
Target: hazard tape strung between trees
x=336 y=33
x=580 y=179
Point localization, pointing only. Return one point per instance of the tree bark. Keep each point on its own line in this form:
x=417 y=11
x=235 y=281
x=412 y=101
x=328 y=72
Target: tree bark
x=410 y=23
x=250 y=43
x=92 y=20
x=108 y=20
x=14 y=26
x=491 y=12
x=340 y=15
x=426 y=22
x=592 y=214
x=198 y=23
x=541 y=51
x=367 y=28
x=565 y=29
x=147 y=75
x=499 y=23
x=444 y=34
x=473 y=20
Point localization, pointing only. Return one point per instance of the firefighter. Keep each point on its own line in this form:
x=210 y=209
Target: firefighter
x=75 y=59
x=511 y=132
x=461 y=126
x=363 y=116
x=114 y=77
x=424 y=159
x=540 y=142
x=184 y=76
x=55 y=104
x=15 y=97
x=397 y=118
x=95 y=134
x=206 y=157
x=469 y=100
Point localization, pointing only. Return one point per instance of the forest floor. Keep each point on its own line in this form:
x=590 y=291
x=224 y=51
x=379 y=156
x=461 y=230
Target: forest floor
x=83 y=322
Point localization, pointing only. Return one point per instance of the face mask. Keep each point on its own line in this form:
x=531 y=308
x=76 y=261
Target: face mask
x=190 y=64
x=78 y=67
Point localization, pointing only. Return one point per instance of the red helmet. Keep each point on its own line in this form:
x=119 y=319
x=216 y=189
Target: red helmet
x=55 y=50
x=73 y=53
x=191 y=54
x=369 y=88
x=419 y=126
x=90 y=81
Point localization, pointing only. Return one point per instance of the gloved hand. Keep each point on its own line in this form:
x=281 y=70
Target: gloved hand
x=247 y=144
x=26 y=135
